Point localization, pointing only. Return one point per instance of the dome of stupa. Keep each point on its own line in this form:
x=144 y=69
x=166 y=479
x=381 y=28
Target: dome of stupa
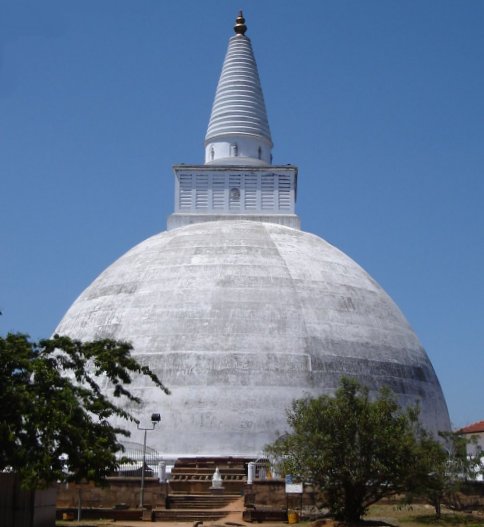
x=239 y=318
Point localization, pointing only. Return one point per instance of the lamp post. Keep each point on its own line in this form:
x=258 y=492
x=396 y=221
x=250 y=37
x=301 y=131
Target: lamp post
x=155 y=419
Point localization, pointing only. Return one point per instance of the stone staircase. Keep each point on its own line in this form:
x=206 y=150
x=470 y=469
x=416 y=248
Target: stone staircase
x=194 y=475
x=202 y=507
x=159 y=515
x=190 y=497
x=201 y=501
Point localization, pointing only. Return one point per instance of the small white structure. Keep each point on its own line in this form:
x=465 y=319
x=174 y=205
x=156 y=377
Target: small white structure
x=251 y=473
x=217 y=482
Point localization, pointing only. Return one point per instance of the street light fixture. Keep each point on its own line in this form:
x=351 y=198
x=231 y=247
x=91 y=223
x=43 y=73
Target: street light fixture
x=155 y=419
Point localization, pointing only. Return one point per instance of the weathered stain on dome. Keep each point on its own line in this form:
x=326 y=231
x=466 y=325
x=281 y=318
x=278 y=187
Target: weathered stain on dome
x=241 y=317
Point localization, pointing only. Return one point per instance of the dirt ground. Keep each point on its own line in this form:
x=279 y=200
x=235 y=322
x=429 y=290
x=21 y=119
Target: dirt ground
x=233 y=519
x=383 y=514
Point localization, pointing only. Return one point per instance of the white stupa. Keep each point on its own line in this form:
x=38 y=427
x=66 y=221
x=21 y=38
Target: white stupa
x=237 y=309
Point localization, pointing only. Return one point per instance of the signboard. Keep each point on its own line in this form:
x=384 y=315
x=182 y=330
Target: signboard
x=294 y=488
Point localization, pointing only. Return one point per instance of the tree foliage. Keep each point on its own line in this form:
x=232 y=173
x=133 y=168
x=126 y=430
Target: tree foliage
x=357 y=450
x=54 y=422
x=443 y=468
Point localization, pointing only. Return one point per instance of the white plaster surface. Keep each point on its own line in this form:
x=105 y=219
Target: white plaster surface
x=238 y=318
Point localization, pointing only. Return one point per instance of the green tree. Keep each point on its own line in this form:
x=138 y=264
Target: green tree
x=356 y=450
x=54 y=421
x=443 y=468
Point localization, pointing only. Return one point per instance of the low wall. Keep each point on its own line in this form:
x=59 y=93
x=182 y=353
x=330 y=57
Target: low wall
x=25 y=508
x=272 y=493
x=118 y=493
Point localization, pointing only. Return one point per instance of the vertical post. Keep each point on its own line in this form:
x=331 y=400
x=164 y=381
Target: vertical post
x=79 y=504
x=162 y=471
x=141 y=497
x=155 y=419
x=250 y=473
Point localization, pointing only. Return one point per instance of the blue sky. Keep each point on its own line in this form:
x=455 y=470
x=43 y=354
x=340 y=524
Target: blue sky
x=379 y=103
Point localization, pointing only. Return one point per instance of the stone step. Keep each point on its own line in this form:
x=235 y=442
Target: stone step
x=197 y=486
x=177 y=515
x=194 y=475
x=200 y=501
x=197 y=506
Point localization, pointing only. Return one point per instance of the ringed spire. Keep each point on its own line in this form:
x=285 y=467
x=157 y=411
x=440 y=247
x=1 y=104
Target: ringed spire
x=238 y=131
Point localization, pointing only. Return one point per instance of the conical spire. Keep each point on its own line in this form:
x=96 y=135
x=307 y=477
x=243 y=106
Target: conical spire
x=238 y=131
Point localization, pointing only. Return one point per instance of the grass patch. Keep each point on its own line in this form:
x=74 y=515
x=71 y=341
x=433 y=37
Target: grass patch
x=452 y=519
x=420 y=515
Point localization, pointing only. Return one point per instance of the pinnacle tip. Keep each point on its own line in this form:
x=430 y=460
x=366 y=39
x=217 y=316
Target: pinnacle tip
x=240 y=28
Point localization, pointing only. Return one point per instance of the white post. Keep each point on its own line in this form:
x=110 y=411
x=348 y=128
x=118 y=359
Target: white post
x=141 y=496
x=162 y=471
x=250 y=473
